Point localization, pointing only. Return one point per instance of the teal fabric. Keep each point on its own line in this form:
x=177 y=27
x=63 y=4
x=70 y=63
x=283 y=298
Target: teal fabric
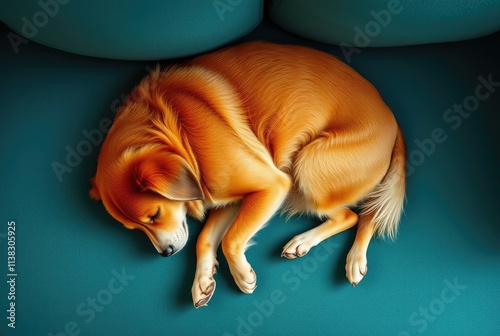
x=386 y=22
x=79 y=272
x=134 y=30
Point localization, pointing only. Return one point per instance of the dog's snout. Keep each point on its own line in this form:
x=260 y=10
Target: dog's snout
x=168 y=251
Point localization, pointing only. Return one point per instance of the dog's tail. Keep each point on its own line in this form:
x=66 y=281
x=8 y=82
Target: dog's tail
x=384 y=204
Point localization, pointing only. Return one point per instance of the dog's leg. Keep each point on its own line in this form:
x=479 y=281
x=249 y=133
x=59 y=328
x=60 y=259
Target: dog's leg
x=356 y=264
x=301 y=244
x=219 y=219
x=256 y=209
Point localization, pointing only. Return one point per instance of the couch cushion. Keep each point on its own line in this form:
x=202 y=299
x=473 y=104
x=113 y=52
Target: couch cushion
x=132 y=29
x=386 y=22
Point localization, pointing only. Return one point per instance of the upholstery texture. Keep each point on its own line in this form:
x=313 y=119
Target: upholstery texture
x=135 y=30
x=387 y=22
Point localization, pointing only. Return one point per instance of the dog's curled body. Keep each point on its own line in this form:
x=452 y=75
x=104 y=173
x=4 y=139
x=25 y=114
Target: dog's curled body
x=246 y=131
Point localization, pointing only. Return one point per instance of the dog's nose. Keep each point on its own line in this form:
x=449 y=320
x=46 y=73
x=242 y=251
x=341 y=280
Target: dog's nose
x=168 y=251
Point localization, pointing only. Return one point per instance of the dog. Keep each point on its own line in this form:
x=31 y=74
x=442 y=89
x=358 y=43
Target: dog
x=241 y=133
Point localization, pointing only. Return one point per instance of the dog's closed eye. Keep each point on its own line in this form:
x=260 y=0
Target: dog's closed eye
x=154 y=217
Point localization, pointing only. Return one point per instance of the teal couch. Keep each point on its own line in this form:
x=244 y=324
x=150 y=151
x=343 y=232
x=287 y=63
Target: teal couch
x=79 y=272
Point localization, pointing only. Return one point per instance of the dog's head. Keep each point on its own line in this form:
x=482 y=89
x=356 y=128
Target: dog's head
x=152 y=189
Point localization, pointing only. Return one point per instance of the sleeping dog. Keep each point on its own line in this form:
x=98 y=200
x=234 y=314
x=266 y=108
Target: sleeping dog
x=244 y=132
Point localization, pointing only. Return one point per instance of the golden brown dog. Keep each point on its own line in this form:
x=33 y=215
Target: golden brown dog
x=242 y=132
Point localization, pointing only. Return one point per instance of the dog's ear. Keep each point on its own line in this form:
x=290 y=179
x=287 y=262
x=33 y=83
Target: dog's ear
x=94 y=192
x=168 y=175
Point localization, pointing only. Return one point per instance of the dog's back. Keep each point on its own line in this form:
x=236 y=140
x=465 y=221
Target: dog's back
x=321 y=121
x=292 y=94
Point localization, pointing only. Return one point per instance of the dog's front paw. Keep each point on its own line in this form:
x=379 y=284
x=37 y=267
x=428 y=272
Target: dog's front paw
x=299 y=246
x=202 y=290
x=356 y=265
x=203 y=286
x=244 y=276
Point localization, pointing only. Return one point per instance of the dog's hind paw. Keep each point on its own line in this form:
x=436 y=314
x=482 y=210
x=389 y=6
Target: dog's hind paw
x=202 y=290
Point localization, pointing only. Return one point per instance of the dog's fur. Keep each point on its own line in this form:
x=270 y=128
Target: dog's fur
x=244 y=131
